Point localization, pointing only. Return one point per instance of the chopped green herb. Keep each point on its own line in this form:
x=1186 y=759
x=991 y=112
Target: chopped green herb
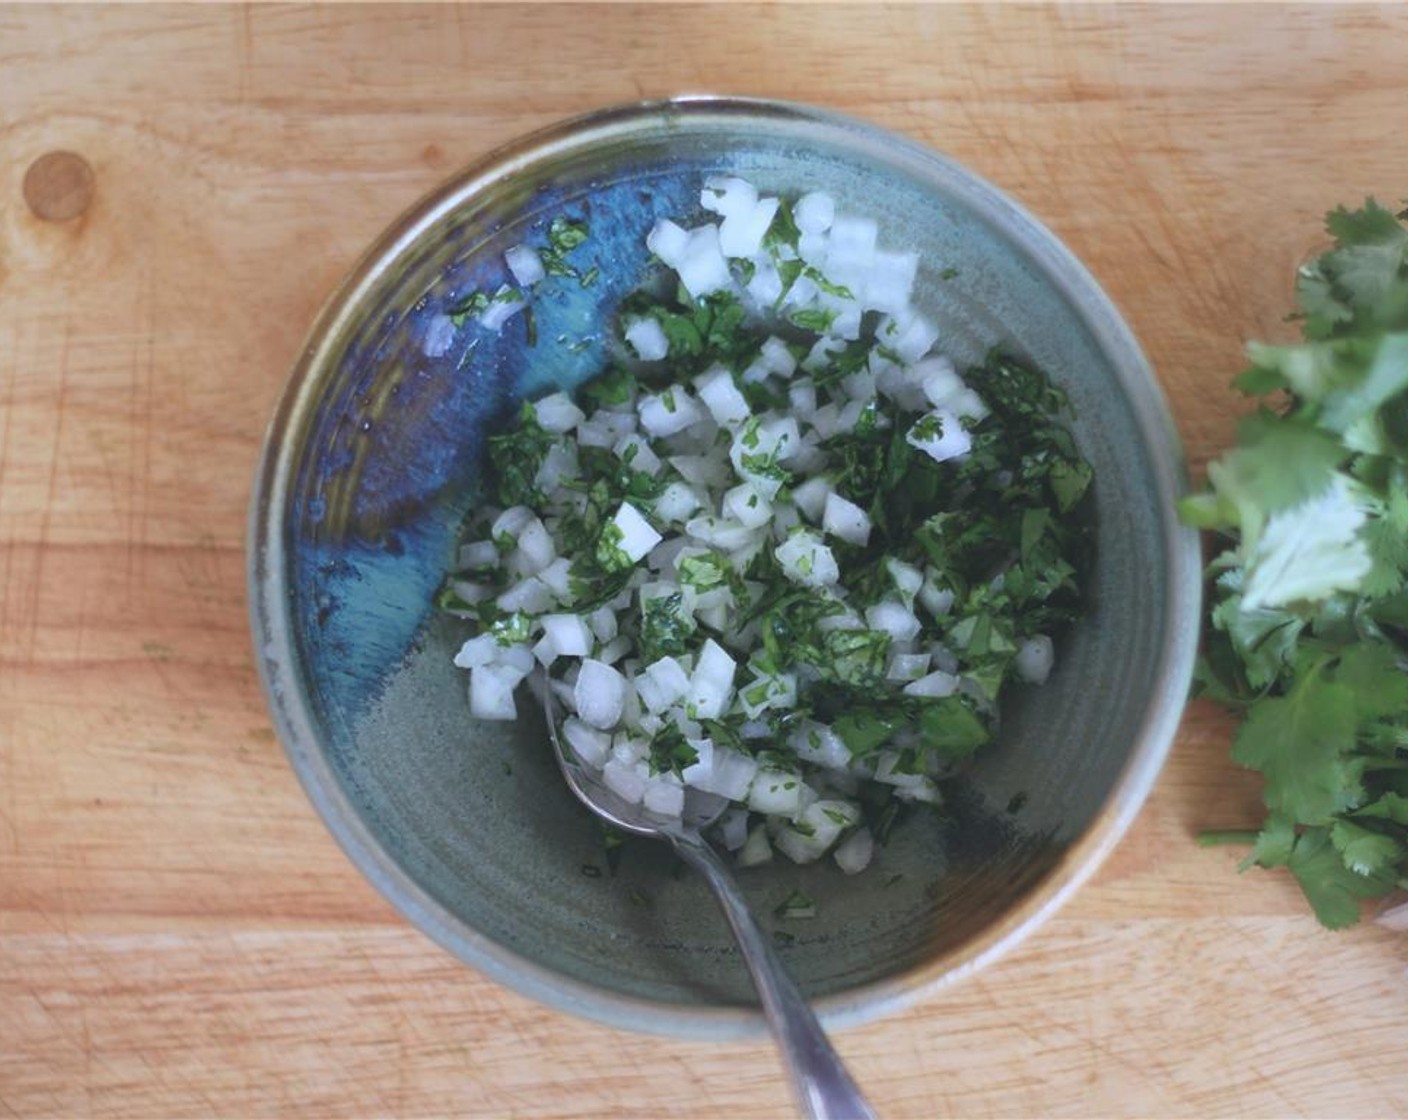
x=798 y=904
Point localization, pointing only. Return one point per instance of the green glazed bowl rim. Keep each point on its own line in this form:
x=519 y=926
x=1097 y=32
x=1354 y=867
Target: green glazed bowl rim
x=286 y=689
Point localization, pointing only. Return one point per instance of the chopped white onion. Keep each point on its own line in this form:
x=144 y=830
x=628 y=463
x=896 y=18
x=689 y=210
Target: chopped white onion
x=647 y=339
x=854 y=853
x=600 y=693
x=525 y=264
x=950 y=441
x=1034 y=660
x=846 y=520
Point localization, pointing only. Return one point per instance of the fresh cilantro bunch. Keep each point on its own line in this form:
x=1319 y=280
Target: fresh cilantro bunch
x=1309 y=634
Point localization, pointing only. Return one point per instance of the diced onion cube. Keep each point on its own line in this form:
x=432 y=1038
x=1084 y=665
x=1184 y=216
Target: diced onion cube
x=820 y=823
x=746 y=506
x=814 y=212
x=741 y=233
x=568 y=633
x=530 y=595
x=702 y=268
x=726 y=195
x=491 y=692
x=906 y=578
x=504 y=306
x=733 y=828
x=937 y=380
x=600 y=694
x=802 y=397
x=637 y=535
x=907 y=666
x=471 y=592
x=854 y=853
x=511 y=522
x=765 y=288
x=768 y=690
x=663 y=684
x=647 y=338
x=701 y=470
x=935 y=686
x=785 y=518
x=711 y=684
x=558 y=464
x=894 y=618
x=590 y=744
x=667 y=241
x=636 y=453
x=478 y=555
x=910 y=335
x=557 y=578
x=478 y=651
x=629 y=748
x=941 y=436
x=535 y=547
x=721 y=396
x=853 y=239
x=775 y=792
x=664 y=795
x=724 y=772
x=938 y=601
x=720 y=532
x=1034 y=660
x=967 y=405
x=756 y=849
x=669 y=412
x=890 y=281
x=602 y=623
x=777 y=357
x=816 y=743
x=675 y=503
x=439 y=336
x=810 y=497
x=846 y=520
x=614 y=650
x=625 y=780
x=525 y=264
x=804 y=559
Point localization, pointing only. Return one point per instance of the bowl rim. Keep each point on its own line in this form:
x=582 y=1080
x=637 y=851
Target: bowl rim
x=288 y=698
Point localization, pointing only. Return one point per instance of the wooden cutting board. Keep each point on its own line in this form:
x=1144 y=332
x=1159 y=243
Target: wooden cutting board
x=179 y=935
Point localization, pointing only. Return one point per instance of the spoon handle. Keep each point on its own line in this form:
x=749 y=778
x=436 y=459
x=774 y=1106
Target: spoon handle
x=823 y=1088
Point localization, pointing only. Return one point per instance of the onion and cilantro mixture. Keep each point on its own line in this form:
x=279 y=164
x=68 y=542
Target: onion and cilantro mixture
x=780 y=551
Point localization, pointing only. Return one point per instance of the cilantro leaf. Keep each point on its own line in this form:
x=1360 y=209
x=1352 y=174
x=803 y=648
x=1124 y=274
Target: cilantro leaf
x=1274 y=843
x=1301 y=742
x=1390 y=807
x=1333 y=889
x=1364 y=851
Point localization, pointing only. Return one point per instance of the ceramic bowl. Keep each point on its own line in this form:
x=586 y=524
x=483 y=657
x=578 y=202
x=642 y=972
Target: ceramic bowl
x=375 y=455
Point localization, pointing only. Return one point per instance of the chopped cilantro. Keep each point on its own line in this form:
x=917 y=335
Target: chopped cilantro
x=517 y=455
x=476 y=303
x=665 y=627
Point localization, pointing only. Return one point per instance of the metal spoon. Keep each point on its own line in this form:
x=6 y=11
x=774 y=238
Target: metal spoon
x=823 y=1088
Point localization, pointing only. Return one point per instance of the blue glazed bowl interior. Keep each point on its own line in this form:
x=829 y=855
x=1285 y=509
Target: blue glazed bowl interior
x=377 y=454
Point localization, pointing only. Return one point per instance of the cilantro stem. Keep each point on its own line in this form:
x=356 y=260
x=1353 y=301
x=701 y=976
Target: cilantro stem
x=1214 y=838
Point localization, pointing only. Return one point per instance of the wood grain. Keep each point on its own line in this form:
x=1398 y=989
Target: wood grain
x=178 y=934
